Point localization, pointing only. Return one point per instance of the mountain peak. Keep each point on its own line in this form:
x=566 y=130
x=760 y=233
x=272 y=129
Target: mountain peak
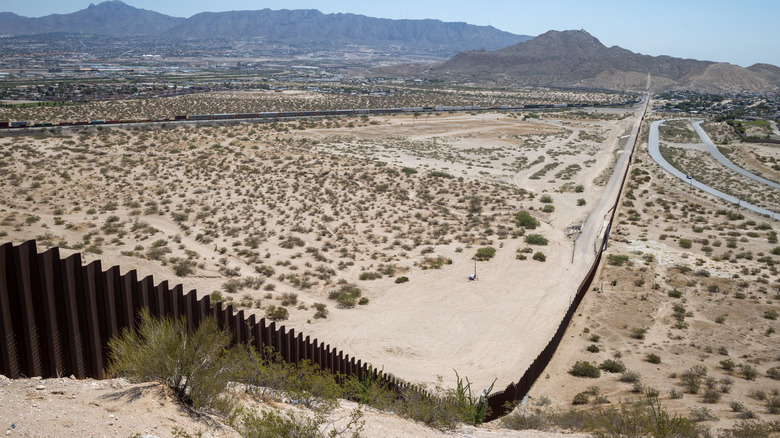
x=554 y=44
x=571 y=35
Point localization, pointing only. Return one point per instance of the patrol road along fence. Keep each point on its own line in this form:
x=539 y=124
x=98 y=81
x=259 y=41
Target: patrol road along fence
x=57 y=317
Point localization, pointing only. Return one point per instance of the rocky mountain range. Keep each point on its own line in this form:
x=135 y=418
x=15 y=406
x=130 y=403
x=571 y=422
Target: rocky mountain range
x=291 y=27
x=481 y=53
x=574 y=58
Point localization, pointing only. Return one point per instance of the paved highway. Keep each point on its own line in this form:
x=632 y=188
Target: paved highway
x=655 y=154
x=715 y=152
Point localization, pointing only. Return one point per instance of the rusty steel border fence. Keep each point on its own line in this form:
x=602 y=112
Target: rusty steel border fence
x=57 y=317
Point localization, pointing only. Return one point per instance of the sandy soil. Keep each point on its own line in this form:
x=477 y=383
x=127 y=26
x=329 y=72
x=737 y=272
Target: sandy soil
x=116 y=408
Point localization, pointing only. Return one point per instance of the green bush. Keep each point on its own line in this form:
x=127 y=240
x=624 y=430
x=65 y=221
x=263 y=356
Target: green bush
x=184 y=267
x=685 y=243
x=638 y=332
x=446 y=412
x=617 y=260
x=580 y=399
x=546 y=199
x=522 y=419
x=702 y=414
x=197 y=365
x=584 y=369
x=773 y=407
x=674 y=293
x=473 y=408
x=548 y=208
x=268 y=376
x=692 y=378
x=321 y=311
x=750 y=429
x=277 y=313
x=535 y=239
x=400 y=280
x=653 y=358
x=525 y=220
x=346 y=301
x=645 y=419
x=369 y=390
x=291 y=242
x=612 y=366
x=593 y=348
x=773 y=373
x=711 y=395
x=346 y=296
x=539 y=256
x=289 y=299
x=442 y=413
x=275 y=425
x=629 y=377
x=370 y=276
x=485 y=253
x=748 y=372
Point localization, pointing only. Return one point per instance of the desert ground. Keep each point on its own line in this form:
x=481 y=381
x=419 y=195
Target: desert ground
x=315 y=223
x=688 y=283
x=280 y=217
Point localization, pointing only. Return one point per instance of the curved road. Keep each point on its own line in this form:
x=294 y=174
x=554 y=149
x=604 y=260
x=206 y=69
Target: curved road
x=715 y=152
x=655 y=154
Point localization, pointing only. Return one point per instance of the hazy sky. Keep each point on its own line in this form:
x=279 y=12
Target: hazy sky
x=742 y=33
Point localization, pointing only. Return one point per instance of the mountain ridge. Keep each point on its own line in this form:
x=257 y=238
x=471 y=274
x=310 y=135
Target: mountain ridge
x=302 y=26
x=576 y=58
x=95 y=19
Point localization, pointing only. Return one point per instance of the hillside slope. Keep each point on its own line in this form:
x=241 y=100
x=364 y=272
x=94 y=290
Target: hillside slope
x=576 y=58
